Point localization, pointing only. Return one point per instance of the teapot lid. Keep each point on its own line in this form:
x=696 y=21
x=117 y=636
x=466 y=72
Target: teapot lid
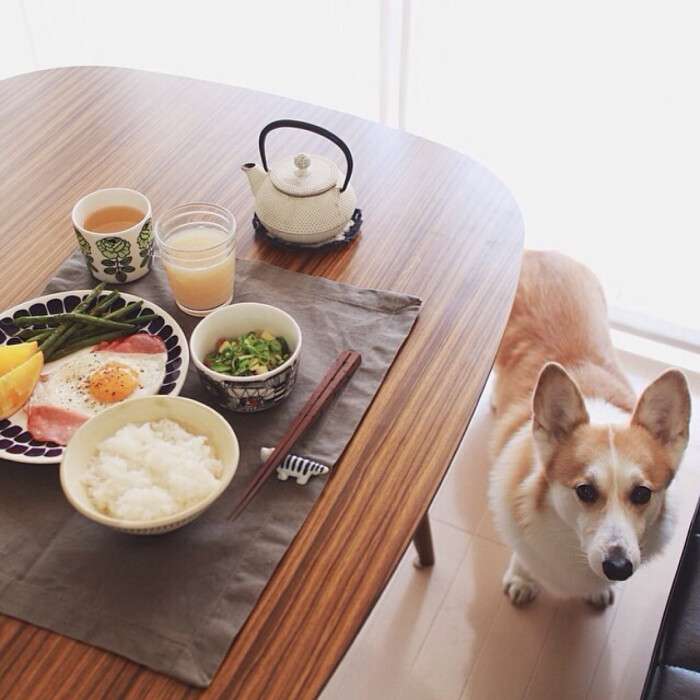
x=303 y=175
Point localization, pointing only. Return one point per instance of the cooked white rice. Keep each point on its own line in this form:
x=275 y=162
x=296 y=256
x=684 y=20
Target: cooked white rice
x=148 y=471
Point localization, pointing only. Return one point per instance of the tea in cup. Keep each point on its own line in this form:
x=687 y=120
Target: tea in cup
x=198 y=247
x=114 y=232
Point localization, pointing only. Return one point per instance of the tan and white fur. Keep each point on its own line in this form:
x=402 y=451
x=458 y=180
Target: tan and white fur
x=580 y=465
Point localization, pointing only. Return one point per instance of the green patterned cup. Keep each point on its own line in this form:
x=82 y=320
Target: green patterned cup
x=114 y=232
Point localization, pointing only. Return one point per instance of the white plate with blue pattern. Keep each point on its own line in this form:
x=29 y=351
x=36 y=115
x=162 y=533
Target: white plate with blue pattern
x=16 y=443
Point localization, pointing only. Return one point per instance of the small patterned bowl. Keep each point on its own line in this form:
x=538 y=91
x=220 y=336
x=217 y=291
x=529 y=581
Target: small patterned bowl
x=193 y=416
x=258 y=392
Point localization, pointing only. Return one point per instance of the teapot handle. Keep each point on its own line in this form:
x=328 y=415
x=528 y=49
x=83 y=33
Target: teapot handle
x=307 y=127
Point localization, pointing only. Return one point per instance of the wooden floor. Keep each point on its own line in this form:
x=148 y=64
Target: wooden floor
x=449 y=633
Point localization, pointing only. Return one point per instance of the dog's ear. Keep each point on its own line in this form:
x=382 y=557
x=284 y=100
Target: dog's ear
x=557 y=408
x=664 y=410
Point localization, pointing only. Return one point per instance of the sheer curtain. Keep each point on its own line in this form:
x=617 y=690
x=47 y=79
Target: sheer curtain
x=587 y=111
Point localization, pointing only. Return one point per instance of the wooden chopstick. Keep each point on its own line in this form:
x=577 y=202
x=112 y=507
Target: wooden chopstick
x=337 y=376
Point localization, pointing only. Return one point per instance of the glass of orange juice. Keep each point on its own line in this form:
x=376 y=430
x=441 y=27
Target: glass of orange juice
x=198 y=247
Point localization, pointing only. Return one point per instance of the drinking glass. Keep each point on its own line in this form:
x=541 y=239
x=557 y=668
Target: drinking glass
x=198 y=247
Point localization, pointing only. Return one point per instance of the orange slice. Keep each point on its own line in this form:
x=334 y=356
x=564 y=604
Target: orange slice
x=12 y=356
x=16 y=386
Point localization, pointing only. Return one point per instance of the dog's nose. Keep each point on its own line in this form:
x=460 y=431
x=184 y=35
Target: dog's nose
x=617 y=567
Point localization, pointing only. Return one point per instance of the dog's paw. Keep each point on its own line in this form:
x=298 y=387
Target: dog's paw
x=603 y=599
x=518 y=584
x=520 y=590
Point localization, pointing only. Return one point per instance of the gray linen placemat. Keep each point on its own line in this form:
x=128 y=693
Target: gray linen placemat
x=175 y=602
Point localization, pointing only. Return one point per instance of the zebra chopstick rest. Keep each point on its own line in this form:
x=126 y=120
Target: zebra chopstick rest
x=300 y=468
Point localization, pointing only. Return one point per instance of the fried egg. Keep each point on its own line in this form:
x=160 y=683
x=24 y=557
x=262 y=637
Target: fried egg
x=89 y=382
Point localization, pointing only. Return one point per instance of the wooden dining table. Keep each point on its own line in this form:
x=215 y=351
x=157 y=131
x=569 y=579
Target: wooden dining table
x=436 y=224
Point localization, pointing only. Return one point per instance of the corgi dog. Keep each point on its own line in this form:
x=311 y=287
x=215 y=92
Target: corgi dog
x=580 y=466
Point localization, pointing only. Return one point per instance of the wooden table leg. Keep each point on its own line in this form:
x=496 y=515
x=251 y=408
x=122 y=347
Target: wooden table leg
x=423 y=542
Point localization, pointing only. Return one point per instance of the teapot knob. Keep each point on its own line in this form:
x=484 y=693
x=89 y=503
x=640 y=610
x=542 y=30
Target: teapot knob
x=302 y=161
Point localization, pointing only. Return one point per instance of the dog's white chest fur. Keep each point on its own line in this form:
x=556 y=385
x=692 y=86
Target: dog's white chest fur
x=549 y=550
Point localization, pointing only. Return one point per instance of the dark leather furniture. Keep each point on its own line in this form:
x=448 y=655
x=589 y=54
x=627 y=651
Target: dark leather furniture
x=675 y=664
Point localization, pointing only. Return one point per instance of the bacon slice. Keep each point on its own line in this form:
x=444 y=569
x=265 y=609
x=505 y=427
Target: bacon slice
x=138 y=342
x=53 y=423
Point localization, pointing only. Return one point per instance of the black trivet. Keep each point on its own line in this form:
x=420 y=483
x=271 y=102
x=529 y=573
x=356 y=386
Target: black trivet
x=343 y=238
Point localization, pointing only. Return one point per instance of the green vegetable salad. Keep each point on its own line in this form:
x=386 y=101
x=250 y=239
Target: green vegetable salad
x=249 y=354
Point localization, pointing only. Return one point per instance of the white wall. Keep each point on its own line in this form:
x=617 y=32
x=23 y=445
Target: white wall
x=320 y=51
x=15 y=42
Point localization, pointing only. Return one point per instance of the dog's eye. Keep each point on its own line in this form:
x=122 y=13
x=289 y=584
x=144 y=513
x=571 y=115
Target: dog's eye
x=640 y=495
x=586 y=493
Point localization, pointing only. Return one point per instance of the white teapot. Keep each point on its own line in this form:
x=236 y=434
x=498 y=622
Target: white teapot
x=302 y=198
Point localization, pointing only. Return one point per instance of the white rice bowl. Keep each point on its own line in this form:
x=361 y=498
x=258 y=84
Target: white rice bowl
x=148 y=471
x=149 y=465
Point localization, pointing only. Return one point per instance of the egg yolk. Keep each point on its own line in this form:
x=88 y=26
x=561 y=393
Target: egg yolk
x=112 y=382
